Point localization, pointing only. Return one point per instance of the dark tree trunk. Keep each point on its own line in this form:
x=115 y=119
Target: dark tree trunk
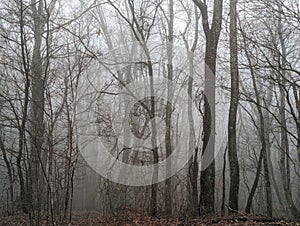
x=212 y=34
x=224 y=182
x=234 y=101
x=22 y=129
x=10 y=206
x=207 y=178
x=168 y=136
x=37 y=115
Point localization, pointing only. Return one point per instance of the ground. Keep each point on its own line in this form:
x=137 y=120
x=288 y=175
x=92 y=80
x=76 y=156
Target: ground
x=129 y=218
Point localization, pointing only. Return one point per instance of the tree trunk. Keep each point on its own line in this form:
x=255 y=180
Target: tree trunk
x=153 y=203
x=224 y=182
x=296 y=93
x=212 y=34
x=68 y=160
x=234 y=101
x=193 y=151
x=168 y=137
x=50 y=171
x=22 y=129
x=10 y=206
x=284 y=144
x=262 y=132
x=37 y=116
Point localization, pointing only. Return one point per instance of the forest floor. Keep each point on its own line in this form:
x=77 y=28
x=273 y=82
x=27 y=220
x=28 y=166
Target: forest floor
x=93 y=218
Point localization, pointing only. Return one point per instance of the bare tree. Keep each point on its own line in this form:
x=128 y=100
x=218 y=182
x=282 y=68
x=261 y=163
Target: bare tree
x=193 y=165
x=168 y=137
x=212 y=34
x=234 y=101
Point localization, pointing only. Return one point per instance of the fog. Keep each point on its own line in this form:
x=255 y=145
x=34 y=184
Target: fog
x=163 y=108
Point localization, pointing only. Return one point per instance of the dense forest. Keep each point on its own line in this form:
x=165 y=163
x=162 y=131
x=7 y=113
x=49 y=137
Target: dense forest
x=161 y=108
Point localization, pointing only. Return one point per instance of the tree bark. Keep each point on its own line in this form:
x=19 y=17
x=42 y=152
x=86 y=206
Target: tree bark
x=37 y=116
x=234 y=101
x=22 y=129
x=168 y=137
x=10 y=206
x=224 y=182
x=212 y=34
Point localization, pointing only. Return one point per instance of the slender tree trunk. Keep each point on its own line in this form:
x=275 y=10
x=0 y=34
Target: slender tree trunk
x=268 y=126
x=168 y=136
x=284 y=160
x=268 y=187
x=22 y=129
x=153 y=203
x=224 y=182
x=296 y=93
x=234 y=101
x=72 y=177
x=255 y=183
x=269 y=174
x=68 y=160
x=10 y=206
x=50 y=172
x=193 y=152
x=261 y=131
x=284 y=167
